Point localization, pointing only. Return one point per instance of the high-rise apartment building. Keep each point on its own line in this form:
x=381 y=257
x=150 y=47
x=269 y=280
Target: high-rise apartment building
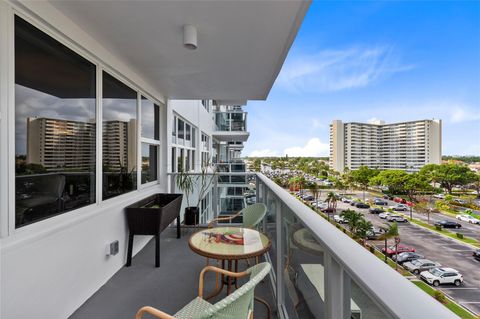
x=405 y=146
x=60 y=144
x=119 y=144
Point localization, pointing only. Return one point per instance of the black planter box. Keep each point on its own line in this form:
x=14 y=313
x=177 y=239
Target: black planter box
x=150 y=216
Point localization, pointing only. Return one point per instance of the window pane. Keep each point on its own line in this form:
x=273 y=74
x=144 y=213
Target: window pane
x=187 y=132
x=174 y=130
x=119 y=137
x=193 y=137
x=54 y=127
x=180 y=160
x=150 y=119
x=173 y=160
x=149 y=163
x=180 y=129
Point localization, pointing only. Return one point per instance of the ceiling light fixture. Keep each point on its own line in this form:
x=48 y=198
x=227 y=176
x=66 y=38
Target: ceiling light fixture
x=190 y=37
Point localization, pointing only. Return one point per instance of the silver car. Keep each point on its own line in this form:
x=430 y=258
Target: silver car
x=418 y=265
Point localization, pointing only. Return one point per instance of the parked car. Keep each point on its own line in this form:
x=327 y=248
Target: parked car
x=418 y=265
x=399 y=208
x=353 y=202
x=328 y=210
x=379 y=202
x=397 y=218
x=400 y=200
x=448 y=224
x=339 y=219
x=387 y=197
x=346 y=200
x=400 y=248
x=376 y=210
x=468 y=218
x=384 y=215
x=308 y=197
x=439 y=196
x=406 y=256
x=460 y=201
x=374 y=233
x=362 y=205
x=438 y=276
x=476 y=254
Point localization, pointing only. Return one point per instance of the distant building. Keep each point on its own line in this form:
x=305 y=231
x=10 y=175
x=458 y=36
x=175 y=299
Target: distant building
x=59 y=144
x=405 y=146
x=70 y=145
x=120 y=145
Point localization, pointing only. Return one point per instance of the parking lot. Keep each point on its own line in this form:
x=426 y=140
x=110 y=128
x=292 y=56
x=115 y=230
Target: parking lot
x=447 y=251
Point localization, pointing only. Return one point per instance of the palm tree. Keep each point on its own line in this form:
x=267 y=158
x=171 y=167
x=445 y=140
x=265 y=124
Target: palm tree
x=313 y=188
x=363 y=228
x=389 y=232
x=352 y=218
x=332 y=203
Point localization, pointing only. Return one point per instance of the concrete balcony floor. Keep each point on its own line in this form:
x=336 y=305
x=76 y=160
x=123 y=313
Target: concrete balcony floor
x=167 y=288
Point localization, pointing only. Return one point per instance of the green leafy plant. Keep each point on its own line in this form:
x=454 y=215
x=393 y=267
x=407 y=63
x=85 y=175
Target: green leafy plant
x=460 y=235
x=440 y=296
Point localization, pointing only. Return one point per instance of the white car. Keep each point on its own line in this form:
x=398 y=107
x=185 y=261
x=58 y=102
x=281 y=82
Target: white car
x=399 y=207
x=339 y=219
x=438 y=276
x=439 y=196
x=384 y=215
x=396 y=218
x=468 y=218
x=346 y=200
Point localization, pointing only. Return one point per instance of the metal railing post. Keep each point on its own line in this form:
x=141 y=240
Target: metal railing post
x=280 y=261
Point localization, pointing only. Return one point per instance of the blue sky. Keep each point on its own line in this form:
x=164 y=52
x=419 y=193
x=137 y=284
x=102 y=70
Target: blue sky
x=364 y=60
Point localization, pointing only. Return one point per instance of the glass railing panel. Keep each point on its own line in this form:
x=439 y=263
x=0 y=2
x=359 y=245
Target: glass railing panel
x=303 y=269
x=362 y=306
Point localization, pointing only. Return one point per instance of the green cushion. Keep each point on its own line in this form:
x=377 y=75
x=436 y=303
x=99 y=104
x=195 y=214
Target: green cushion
x=193 y=309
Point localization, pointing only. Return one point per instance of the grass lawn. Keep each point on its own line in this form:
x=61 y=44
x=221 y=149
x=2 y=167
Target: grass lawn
x=453 y=306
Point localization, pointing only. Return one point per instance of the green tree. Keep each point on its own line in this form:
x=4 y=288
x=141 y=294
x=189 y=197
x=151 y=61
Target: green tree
x=352 y=218
x=314 y=189
x=331 y=202
x=448 y=175
x=362 y=177
x=389 y=232
x=363 y=228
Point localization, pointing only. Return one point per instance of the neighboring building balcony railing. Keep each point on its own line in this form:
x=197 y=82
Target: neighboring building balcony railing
x=231 y=121
x=320 y=272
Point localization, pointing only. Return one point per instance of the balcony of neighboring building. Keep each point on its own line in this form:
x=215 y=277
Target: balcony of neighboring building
x=230 y=124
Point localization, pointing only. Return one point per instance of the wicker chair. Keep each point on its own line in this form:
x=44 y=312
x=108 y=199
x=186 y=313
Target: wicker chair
x=252 y=216
x=238 y=305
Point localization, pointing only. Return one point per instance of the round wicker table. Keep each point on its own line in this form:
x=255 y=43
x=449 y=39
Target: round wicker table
x=228 y=245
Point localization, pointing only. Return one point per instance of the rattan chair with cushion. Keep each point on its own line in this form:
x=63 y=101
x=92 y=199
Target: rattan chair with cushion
x=238 y=305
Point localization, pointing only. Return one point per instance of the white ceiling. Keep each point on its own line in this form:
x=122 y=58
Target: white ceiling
x=242 y=44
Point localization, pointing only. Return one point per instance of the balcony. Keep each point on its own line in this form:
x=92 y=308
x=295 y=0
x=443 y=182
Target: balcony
x=231 y=126
x=317 y=272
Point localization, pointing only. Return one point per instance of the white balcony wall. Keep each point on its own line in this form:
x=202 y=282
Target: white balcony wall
x=49 y=268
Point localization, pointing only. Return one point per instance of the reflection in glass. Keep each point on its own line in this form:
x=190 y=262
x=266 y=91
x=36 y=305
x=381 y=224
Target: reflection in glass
x=149 y=163
x=54 y=127
x=119 y=137
x=150 y=119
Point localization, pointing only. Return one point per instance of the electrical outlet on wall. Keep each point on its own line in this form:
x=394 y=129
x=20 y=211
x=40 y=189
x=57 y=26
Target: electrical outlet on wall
x=113 y=248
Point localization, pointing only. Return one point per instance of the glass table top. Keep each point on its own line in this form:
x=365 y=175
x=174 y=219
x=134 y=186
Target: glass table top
x=229 y=242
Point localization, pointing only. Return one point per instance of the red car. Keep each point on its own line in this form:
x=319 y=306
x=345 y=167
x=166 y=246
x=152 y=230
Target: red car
x=401 y=249
x=400 y=200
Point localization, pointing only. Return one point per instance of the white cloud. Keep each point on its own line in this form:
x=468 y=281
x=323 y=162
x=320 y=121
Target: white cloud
x=461 y=114
x=313 y=148
x=263 y=153
x=334 y=70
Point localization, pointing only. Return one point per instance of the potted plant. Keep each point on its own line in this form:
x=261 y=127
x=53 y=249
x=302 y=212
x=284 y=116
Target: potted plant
x=187 y=183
